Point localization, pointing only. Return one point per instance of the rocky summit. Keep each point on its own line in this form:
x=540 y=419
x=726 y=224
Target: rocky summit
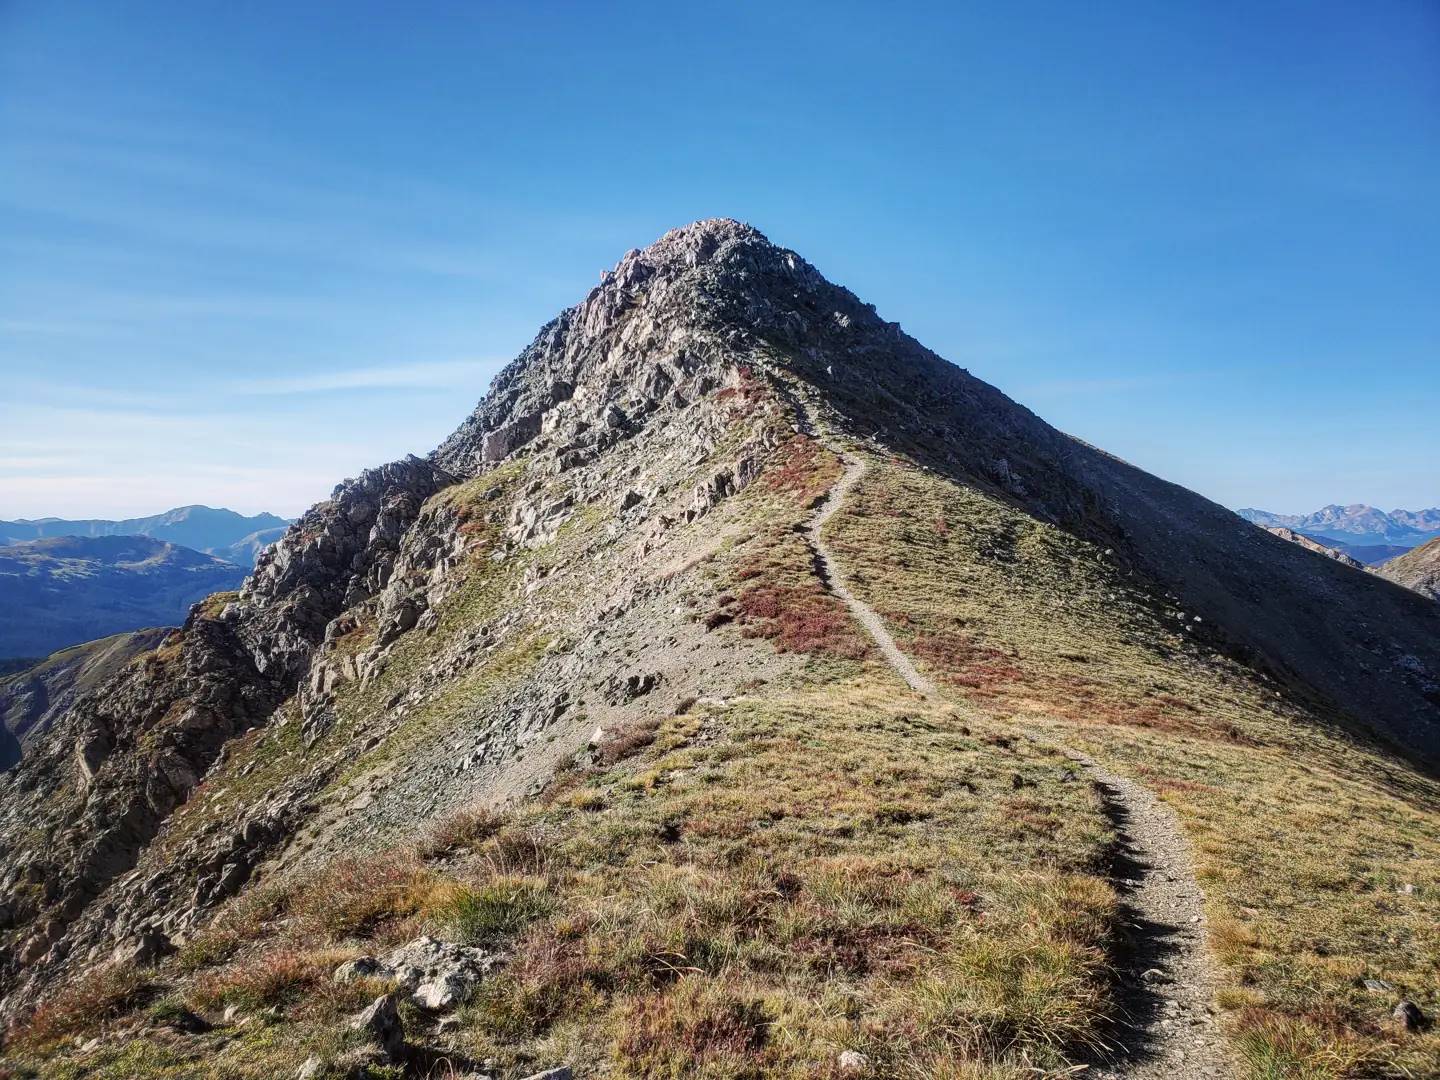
x=743 y=690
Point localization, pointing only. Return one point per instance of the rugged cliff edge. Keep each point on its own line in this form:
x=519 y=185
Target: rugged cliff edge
x=456 y=628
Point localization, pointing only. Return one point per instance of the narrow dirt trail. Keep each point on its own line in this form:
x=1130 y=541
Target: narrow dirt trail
x=834 y=577
x=1165 y=983
x=1166 y=987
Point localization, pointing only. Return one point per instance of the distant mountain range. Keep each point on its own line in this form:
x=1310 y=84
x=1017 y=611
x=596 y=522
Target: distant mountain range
x=223 y=533
x=1363 y=532
x=60 y=590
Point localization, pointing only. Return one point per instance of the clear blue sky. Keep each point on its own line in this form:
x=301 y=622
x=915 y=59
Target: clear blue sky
x=248 y=249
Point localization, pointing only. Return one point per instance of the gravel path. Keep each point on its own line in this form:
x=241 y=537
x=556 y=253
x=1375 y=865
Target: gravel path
x=830 y=571
x=1165 y=982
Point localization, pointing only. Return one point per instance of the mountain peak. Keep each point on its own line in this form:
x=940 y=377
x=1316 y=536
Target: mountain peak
x=707 y=232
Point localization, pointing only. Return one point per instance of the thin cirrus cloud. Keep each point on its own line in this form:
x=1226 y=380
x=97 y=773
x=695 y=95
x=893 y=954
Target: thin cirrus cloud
x=423 y=375
x=119 y=452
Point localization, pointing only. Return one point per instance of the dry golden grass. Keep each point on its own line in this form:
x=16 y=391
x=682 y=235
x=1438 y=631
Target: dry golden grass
x=828 y=862
x=1319 y=856
x=103 y=994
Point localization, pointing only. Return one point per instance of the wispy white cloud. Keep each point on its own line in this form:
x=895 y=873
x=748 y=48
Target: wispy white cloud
x=118 y=454
x=420 y=375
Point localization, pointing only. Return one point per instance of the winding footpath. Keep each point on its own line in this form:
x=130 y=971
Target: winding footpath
x=834 y=578
x=1165 y=983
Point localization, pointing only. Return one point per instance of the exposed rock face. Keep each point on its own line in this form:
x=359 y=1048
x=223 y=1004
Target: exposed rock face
x=1417 y=570
x=380 y=1023
x=438 y=975
x=648 y=405
x=123 y=757
x=1315 y=546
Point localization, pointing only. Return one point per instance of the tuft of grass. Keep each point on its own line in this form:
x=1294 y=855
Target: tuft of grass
x=462 y=830
x=486 y=913
x=354 y=896
x=278 y=977
x=1278 y=1047
x=627 y=741
x=84 y=1006
x=701 y=1028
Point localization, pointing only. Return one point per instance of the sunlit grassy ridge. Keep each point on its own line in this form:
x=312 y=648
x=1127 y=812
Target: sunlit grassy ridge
x=744 y=887
x=768 y=883
x=1319 y=857
x=748 y=885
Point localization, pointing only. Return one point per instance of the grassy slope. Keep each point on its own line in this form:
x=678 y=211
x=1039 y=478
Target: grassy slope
x=1319 y=857
x=749 y=886
x=742 y=889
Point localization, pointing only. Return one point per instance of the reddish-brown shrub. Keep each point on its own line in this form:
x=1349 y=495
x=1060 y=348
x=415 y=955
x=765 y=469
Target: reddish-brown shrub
x=627 y=741
x=276 y=978
x=84 y=1005
x=801 y=620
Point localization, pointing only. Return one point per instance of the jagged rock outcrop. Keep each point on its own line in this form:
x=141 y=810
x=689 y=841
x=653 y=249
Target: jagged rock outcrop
x=33 y=699
x=125 y=756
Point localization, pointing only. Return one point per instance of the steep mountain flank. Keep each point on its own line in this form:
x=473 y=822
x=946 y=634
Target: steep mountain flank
x=222 y=533
x=64 y=590
x=31 y=699
x=1314 y=545
x=592 y=741
x=1418 y=570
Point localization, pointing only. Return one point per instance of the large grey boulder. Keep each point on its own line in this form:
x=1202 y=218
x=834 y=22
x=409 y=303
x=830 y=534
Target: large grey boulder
x=438 y=975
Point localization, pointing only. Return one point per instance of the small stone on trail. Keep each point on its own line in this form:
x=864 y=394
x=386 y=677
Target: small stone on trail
x=852 y=1061
x=380 y=1020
